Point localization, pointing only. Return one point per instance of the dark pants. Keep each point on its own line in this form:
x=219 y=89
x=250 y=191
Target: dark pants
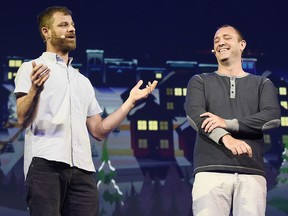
x=55 y=188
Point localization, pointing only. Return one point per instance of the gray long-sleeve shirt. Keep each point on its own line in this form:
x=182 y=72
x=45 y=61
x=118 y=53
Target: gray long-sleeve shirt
x=248 y=104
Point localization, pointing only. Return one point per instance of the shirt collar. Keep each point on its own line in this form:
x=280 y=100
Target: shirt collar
x=56 y=58
x=226 y=75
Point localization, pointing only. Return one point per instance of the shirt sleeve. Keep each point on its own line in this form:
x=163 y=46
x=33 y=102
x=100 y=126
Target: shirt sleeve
x=94 y=107
x=22 y=80
x=195 y=105
x=267 y=118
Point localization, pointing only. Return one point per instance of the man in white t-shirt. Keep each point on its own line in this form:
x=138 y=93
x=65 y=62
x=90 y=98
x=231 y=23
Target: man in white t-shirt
x=57 y=106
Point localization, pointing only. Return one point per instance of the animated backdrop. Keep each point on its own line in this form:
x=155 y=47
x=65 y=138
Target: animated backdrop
x=145 y=165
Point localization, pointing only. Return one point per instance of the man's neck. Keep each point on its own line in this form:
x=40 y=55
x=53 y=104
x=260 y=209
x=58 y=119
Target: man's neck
x=64 y=56
x=231 y=69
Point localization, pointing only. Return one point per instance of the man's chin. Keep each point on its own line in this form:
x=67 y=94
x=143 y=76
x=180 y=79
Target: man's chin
x=69 y=48
x=224 y=59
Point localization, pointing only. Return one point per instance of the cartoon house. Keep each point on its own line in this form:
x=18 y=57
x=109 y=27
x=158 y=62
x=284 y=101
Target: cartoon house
x=173 y=87
x=95 y=67
x=10 y=68
x=150 y=73
x=276 y=139
x=187 y=137
x=151 y=131
x=7 y=99
x=120 y=72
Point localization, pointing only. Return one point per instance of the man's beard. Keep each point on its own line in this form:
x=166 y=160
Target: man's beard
x=62 y=44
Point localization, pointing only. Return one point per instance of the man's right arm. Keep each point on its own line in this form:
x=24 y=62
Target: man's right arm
x=27 y=103
x=26 y=107
x=236 y=146
x=195 y=105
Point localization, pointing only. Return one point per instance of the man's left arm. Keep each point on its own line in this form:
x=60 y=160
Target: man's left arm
x=268 y=116
x=100 y=128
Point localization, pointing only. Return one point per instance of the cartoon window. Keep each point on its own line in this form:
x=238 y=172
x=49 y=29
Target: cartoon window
x=169 y=91
x=284 y=104
x=282 y=91
x=170 y=106
x=184 y=91
x=164 y=144
x=267 y=139
x=15 y=63
x=142 y=125
x=284 y=121
x=163 y=125
x=153 y=125
x=11 y=75
x=158 y=75
x=178 y=91
x=142 y=143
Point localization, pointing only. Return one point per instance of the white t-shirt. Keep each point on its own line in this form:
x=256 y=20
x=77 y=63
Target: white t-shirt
x=59 y=132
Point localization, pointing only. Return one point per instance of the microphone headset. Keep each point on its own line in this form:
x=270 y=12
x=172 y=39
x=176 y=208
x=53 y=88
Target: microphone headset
x=213 y=51
x=60 y=38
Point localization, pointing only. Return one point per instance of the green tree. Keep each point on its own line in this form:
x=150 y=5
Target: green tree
x=108 y=189
x=283 y=175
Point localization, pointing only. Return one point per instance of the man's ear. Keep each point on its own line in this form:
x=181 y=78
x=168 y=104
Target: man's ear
x=45 y=32
x=242 y=45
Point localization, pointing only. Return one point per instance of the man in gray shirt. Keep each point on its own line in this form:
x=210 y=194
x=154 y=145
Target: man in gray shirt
x=230 y=109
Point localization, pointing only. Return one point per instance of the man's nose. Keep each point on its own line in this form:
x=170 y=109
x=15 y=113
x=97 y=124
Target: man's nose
x=71 y=28
x=221 y=42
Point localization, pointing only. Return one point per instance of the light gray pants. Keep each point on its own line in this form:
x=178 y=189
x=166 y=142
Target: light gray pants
x=214 y=194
